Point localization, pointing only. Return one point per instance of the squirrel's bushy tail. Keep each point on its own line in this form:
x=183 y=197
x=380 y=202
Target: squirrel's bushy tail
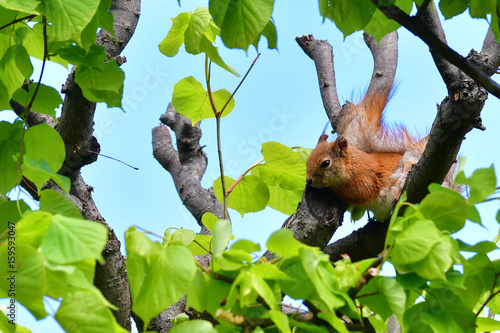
x=364 y=126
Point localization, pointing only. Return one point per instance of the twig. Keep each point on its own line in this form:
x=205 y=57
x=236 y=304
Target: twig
x=492 y=295
x=370 y=273
x=230 y=189
x=239 y=84
x=209 y=88
x=415 y=27
x=221 y=165
x=111 y=158
x=219 y=146
x=45 y=55
x=29 y=17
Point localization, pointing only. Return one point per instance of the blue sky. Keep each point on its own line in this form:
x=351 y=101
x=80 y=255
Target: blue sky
x=279 y=101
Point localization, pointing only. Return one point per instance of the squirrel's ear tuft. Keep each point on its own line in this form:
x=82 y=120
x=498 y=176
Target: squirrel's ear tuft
x=322 y=138
x=342 y=142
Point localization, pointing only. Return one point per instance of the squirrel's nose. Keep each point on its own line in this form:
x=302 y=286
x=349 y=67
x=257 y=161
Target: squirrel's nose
x=309 y=179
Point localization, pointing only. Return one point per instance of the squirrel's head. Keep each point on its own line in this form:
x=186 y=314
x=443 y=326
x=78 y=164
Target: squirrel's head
x=327 y=164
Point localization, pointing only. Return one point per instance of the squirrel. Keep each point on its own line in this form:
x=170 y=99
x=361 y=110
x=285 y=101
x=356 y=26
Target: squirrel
x=368 y=163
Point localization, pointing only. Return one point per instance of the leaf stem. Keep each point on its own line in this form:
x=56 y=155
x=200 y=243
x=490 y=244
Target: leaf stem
x=209 y=88
x=29 y=17
x=219 y=146
x=241 y=82
x=492 y=295
x=230 y=189
x=45 y=55
x=221 y=165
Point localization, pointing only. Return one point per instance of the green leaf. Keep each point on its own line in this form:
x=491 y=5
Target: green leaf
x=10 y=147
x=5 y=325
x=39 y=173
x=241 y=21
x=175 y=37
x=22 y=276
x=185 y=236
x=70 y=240
x=15 y=67
x=447 y=210
x=209 y=219
x=69 y=18
x=198 y=23
x=415 y=242
x=246 y=246
x=102 y=19
x=283 y=167
x=191 y=100
x=450 y=8
x=284 y=244
x=446 y=313
x=222 y=236
x=201 y=245
x=81 y=311
x=32 y=227
x=252 y=282
x=197 y=293
x=481 y=8
x=481 y=247
x=271 y=35
x=311 y=262
x=284 y=200
x=280 y=320
x=482 y=184
x=100 y=79
x=387 y=297
x=438 y=261
x=487 y=325
x=167 y=278
x=56 y=203
x=44 y=154
x=197 y=325
x=349 y=15
x=333 y=320
x=141 y=251
x=251 y=194
x=211 y=51
x=380 y=25
x=11 y=211
x=47 y=99
x=24 y=6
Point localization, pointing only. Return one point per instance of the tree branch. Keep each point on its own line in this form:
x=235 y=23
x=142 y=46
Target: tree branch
x=385 y=57
x=187 y=164
x=415 y=26
x=318 y=216
x=457 y=114
x=320 y=51
x=75 y=127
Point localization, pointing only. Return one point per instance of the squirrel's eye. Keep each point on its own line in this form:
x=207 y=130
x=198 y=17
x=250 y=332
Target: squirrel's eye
x=325 y=163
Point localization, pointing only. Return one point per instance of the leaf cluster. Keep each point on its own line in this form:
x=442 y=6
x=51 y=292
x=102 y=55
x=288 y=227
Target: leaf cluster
x=63 y=32
x=350 y=16
x=435 y=288
x=52 y=252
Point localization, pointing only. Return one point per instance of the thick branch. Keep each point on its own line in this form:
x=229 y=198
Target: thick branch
x=187 y=164
x=367 y=242
x=415 y=26
x=457 y=115
x=75 y=127
x=318 y=216
x=320 y=51
x=429 y=17
x=385 y=58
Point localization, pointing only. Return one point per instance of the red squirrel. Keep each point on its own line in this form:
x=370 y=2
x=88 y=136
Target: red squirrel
x=367 y=165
